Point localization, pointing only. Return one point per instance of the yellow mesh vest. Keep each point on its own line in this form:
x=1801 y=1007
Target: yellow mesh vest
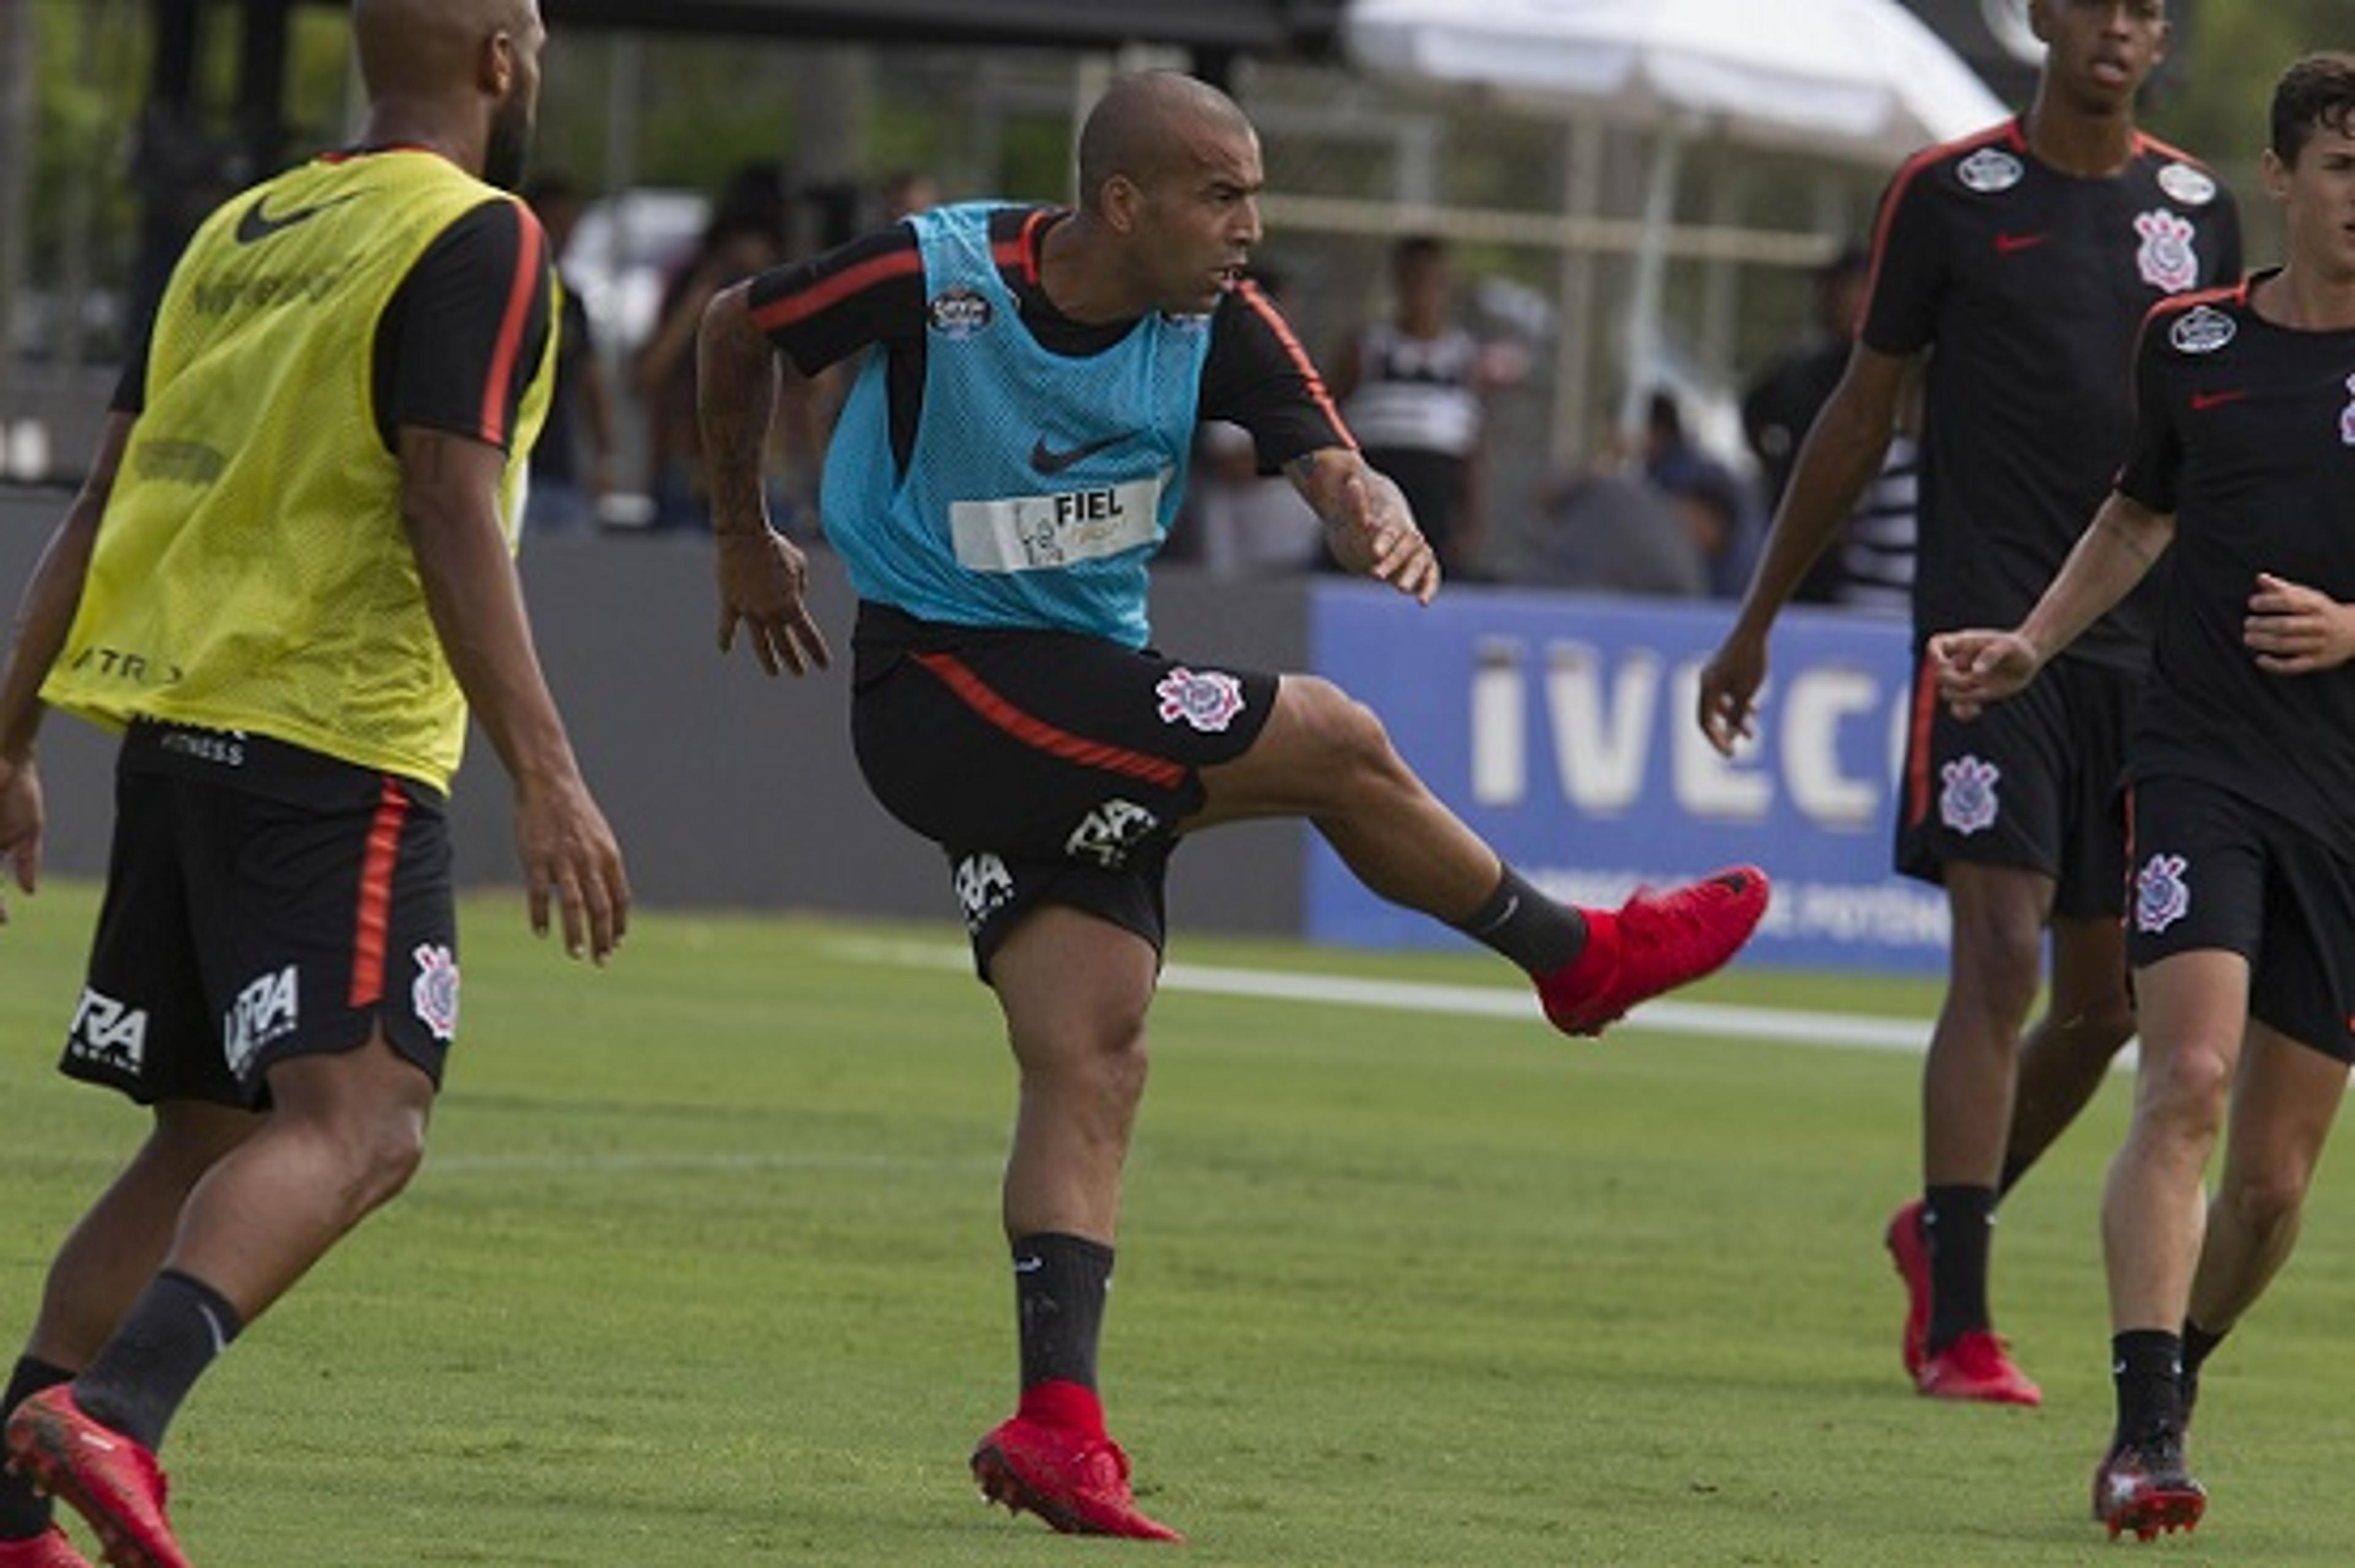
x=252 y=572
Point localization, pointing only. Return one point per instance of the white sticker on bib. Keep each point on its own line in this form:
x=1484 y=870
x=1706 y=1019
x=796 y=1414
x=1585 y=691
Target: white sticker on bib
x=1026 y=533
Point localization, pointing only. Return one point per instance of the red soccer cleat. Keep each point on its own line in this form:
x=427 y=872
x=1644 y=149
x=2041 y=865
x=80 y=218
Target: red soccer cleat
x=1654 y=943
x=50 y=1549
x=1912 y=1255
x=1976 y=1367
x=109 y=1479
x=2145 y=1488
x=1076 y=1482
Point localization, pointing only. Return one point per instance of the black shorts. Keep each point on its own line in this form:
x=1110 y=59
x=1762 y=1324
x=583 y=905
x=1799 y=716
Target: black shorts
x=2034 y=783
x=2216 y=872
x=1051 y=767
x=262 y=901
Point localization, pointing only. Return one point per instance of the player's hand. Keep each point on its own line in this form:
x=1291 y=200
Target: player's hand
x=764 y=584
x=2297 y=630
x=1976 y=668
x=1729 y=690
x=1374 y=534
x=20 y=824
x=571 y=863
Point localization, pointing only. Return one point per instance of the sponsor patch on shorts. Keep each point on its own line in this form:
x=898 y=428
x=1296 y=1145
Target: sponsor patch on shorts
x=108 y=1034
x=984 y=886
x=1108 y=833
x=266 y=1009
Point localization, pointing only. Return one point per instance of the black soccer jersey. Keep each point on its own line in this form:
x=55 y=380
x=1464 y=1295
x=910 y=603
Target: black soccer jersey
x=2247 y=433
x=871 y=291
x=2028 y=285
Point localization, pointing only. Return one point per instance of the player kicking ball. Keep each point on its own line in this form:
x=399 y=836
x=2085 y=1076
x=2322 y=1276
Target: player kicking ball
x=1007 y=465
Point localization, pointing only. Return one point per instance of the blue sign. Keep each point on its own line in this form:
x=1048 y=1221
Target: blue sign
x=1561 y=726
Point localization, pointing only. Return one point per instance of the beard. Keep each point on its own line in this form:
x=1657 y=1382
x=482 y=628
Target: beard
x=509 y=151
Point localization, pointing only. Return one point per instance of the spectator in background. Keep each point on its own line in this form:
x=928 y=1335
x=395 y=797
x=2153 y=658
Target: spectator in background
x=1712 y=502
x=563 y=497
x=1410 y=388
x=747 y=234
x=1871 y=566
x=1874 y=555
x=1781 y=403
x=1614 y=532
x=1245 y=523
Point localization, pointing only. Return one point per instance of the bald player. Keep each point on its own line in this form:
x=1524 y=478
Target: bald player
x=1006 y=464
x=289 y=576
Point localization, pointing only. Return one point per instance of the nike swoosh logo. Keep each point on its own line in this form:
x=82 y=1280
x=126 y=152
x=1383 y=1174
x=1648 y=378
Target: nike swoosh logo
x=257 y=224
x=1047 y=460
x=2202 y=401
x=2011 y=244
x=1029 y=1265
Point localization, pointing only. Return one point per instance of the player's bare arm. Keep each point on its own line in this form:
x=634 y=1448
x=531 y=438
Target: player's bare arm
x=448 y=504
x=1842 y=454
x=43 y=618
x=2297 y=630
x=764 y=576
x=1368 y=524
x=1976 y=668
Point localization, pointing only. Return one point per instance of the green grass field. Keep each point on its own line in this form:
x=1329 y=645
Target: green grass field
x=704 y=1268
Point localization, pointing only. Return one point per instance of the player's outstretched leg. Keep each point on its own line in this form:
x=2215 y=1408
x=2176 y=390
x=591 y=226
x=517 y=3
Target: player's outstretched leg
x=107 y=1477
x=1651 y=943
x=1327 y=758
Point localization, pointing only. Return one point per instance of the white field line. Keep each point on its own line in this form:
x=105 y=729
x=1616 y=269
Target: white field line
x=1851 y=1032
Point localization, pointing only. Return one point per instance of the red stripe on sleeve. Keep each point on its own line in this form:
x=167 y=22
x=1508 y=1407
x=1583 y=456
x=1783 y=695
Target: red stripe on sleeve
x=373 y=919
x=788 y=310
x=498 y=388
x=2007 y=131
x=1040 y=735
x=1258 y=305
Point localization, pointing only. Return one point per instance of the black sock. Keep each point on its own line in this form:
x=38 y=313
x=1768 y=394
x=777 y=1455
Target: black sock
x=2198 y=1345
x=173 y=1332
x=23 y=1515
x=2148 y=1366
x=1532 y=930
x=1956 y=1223
x=1059 y=1283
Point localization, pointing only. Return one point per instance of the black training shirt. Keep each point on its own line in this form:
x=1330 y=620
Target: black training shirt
x=2027 y=286
x=2247 y=433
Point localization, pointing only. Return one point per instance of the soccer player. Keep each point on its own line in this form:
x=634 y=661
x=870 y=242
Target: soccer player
x=1009 y=459
x=2242 y=770
x=287 y=577
x=2019 y=262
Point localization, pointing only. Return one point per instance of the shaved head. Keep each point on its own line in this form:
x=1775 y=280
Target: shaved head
x=460 y=74
x=421 y=48
x=1151 y=124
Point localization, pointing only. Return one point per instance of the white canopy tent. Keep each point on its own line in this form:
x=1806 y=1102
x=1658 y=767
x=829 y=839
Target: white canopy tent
x=1862 y=81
